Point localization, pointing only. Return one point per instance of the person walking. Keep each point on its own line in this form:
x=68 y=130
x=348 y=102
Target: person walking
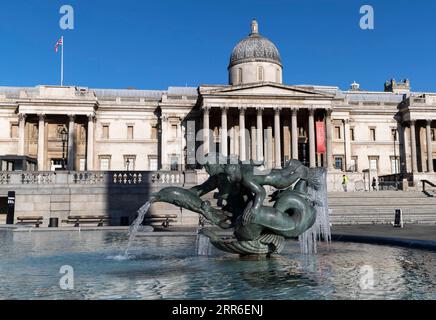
x=374 y=184
x=345 y=183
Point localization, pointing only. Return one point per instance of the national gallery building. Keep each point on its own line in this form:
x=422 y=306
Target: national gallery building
x=255 y=116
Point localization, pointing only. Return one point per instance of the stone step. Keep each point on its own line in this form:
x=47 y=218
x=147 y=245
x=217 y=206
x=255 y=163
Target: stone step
x=381 y=204
x=381 y=194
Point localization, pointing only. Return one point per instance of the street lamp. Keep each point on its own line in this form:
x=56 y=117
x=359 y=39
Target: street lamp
x=64 y=137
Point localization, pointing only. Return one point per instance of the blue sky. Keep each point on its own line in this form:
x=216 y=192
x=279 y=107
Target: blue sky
x=156 y=44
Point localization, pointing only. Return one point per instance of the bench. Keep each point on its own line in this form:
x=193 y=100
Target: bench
x=35 y=220
x=165 y=219
x=78 y=220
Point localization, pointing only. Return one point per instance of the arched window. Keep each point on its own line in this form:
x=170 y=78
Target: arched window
x=239 y=79
x=260 y=75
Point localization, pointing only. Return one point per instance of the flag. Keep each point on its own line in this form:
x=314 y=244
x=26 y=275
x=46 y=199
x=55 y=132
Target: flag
x=59 y=43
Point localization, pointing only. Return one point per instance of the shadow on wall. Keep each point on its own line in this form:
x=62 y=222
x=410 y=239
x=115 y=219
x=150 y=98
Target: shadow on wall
x=3 y=209
x=126 y=193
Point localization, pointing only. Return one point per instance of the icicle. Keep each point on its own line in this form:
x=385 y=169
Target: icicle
x=321 y=228
x=203 y=244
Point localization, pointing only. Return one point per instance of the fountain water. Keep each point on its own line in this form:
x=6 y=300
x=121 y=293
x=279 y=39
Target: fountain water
x=133 y=230
x=203 y=244
x=321 y=228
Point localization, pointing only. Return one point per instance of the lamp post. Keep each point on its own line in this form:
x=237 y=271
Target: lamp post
x=394 y=134
x=64 y=137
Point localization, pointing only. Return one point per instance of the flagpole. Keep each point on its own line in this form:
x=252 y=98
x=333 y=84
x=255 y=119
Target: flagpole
x=62 y=62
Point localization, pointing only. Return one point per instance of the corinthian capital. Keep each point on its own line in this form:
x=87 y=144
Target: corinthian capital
x=91 y=117
x=22 y=116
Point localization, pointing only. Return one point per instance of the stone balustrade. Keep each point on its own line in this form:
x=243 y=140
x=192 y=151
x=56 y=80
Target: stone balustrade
x=99 y=178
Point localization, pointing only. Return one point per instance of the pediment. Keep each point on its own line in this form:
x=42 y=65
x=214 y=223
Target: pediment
x=265 y=89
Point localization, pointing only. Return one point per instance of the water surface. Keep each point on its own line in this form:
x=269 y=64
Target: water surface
x=168 y=268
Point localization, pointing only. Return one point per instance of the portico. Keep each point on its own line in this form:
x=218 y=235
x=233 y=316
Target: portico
x=419 y=115
x=41 y=121
x=271 y=131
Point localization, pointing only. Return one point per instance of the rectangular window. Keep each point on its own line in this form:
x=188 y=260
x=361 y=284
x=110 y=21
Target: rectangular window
x=373 y=164
x=260 y=73
x=353 y=164
x=105 y=163
x=372 y=136
x=82 y=164
x=129 y=162
x=154 y=132
x=174 y=163
x=14 y=131
x=239 y=75
x=433 y=134
x=395 y=165
x=130 y=132
x=153 y=163
x=339 y=163
x=352 y=134
x=105 y=132
x=337 y=132
x=174 y=130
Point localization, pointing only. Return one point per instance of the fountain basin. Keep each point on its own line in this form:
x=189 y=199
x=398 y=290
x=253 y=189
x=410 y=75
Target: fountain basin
x=169 y=268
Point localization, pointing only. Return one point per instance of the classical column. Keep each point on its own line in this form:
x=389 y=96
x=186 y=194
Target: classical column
x=71 y=143
x=242 y=140
x=429 y=147
x=41 y=142
x=21 y=133
x=224 y=131
x=90 y=144
x=294 y=138
x=253 y=141
x=329 y=156
x=206 y=130
x=259 y=135
x=347 y=144
x=232 y=134
x=312 y=147
x=413 y=146
x=269 y=147
x=277 y=141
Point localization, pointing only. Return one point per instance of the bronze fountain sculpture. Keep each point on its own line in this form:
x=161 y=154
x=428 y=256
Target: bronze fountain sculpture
x=258 y=229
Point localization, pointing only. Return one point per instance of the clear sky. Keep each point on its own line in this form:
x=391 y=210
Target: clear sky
x=161 y=43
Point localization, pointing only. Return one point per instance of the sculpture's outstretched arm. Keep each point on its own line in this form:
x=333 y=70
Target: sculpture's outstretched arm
x=208 y=186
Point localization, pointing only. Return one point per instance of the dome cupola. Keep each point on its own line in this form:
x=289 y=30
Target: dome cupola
x=255 y=59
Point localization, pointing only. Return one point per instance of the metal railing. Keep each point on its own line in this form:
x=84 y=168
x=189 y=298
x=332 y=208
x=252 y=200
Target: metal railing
x=425 y=190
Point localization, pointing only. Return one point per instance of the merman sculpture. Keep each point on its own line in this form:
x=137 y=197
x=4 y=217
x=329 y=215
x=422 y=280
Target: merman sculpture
x=258 y=229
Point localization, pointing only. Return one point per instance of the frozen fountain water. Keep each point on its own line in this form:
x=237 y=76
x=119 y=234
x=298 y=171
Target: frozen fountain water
x=203 y=244
x=321 y=228
x=134 y=228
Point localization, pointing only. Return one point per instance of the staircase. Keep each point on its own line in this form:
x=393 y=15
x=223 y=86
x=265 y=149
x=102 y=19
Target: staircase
x=379 y=207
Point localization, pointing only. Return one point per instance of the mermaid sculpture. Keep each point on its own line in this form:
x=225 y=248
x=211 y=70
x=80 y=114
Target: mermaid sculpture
x=258 y=229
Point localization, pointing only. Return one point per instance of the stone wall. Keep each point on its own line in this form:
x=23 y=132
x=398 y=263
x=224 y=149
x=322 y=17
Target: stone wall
x=115 y=194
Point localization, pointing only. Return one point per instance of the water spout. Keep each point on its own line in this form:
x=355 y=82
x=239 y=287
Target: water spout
x=133 y=230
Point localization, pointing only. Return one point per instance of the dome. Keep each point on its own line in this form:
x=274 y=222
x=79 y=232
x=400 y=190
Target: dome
x=255 y=48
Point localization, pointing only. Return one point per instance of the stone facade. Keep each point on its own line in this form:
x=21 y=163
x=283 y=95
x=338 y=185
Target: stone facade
x=258 y=117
